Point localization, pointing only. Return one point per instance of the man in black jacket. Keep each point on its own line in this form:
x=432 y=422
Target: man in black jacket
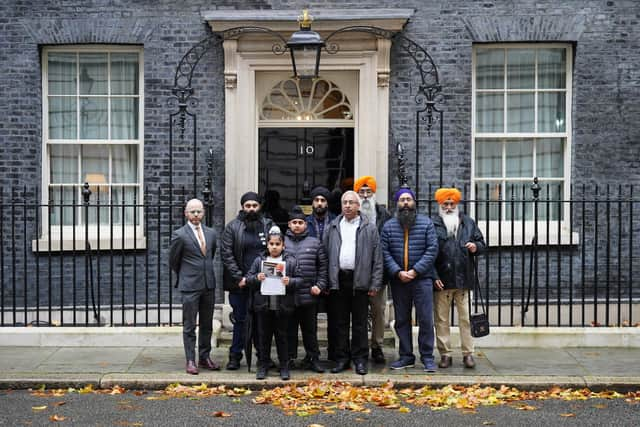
x=191 y=253
x=459 y=240
x=243 y=240
x=312 y=265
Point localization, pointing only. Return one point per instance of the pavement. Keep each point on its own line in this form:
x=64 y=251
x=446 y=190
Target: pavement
x=143 y=367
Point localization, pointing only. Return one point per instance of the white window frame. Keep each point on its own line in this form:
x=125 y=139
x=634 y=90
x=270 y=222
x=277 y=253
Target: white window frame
x=104 y=236
x=489 y=227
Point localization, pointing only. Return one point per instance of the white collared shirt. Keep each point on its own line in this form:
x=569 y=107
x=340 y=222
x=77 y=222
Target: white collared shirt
x=348 y=247
x=195 y=232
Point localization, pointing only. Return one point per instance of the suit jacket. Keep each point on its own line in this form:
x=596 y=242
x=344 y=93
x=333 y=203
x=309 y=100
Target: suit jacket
x=195 y=271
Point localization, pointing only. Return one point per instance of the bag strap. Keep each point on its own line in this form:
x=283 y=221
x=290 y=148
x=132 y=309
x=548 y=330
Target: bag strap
x=477 y=288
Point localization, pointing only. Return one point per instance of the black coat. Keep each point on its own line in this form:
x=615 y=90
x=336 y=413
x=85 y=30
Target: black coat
x=286 y=303
x=231 y=251
x=312 y=263
x=454 y=264
x=195 y=271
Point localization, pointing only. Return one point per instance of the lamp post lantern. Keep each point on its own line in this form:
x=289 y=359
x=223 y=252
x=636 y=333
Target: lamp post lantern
x=305 y=46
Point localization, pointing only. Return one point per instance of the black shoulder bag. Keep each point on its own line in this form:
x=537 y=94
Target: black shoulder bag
x=479 y=320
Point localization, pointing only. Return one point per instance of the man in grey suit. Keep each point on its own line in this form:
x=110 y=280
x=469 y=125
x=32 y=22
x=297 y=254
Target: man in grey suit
x=191 y=257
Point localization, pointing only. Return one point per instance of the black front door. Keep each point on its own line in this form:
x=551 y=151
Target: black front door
x=294 y=160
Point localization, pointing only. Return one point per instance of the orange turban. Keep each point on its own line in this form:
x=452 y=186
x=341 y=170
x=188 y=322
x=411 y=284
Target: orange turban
x=444 y=194
x=367 y=180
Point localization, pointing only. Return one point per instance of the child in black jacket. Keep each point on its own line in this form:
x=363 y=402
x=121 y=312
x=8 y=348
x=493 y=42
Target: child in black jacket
x=273 y=312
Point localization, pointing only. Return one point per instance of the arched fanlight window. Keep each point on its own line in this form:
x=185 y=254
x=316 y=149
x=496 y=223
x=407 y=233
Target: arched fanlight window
x=306 y=99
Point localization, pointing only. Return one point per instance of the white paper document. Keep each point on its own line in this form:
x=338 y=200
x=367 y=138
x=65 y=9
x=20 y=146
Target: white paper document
x=273 y=285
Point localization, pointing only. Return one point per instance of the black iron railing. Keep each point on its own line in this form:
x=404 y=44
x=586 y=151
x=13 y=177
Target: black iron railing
x=550 y=262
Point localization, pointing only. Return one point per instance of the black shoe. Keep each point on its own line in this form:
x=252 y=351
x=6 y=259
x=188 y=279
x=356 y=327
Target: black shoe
x=361 y=368
x=233 y=364
x=284 y=374
x=314 y=365
x=261 y=373
x=378 y=356
x=340 y=366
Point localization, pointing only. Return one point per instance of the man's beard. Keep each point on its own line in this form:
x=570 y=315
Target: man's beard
x=451 y=220
x=368 y=208
x=320 y=211
x=251 y=220
x=407 y=216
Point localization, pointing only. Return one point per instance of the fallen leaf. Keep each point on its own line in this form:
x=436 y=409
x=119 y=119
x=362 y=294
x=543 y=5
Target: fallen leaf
x=221 y=414
x=600 y=406
x=569 y=414
x=59 y=403
x=488 y=423
x=39 y=408
x=139 y=392
x=57 y=418
x=315 y=425
x=404 y=409
x=86 y=389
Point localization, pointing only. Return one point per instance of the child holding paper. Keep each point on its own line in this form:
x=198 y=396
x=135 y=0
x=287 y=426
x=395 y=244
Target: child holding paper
x=272 y=280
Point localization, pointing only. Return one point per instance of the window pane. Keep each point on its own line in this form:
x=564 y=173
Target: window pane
x=551 y=68
x=93 y=74
x=61 y=73
x=61 y=205
x=518 y=191
x=124 y=73
x=63 y=164
x=123 y=201
x=550 y=158
x=124 y=118
x=93 y=118
x=125 y=164
x=520 y=112
x=98 y=207
x=488 y=196
x=488 y=158
x=550 y=195
x=95 y=164
x=551 y=112
x=519 y=158
x=489 y=112
x=520 y=68
x=490 y=69
x=62 y=117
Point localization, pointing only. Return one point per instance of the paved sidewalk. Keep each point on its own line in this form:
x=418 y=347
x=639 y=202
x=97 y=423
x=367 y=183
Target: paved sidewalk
x=152 y=368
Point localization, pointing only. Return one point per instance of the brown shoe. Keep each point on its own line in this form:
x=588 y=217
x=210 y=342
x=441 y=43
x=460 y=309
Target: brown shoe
x=468 y=361
x=445 y=362
x=208 y=364
x=191 y=368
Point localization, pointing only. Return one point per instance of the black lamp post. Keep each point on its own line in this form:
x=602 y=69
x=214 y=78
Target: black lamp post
x=305 y=46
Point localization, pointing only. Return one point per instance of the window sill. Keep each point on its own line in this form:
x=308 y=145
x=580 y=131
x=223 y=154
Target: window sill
x=500 y=235
x=105 y=244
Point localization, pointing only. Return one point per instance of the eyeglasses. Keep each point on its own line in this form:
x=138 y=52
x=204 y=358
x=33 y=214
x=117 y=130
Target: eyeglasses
x=195 y=212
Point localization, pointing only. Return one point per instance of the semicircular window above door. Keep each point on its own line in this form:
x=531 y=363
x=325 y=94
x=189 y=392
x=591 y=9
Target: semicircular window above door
x=304 y=100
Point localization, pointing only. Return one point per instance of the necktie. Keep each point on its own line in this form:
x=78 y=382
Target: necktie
x=203 y=244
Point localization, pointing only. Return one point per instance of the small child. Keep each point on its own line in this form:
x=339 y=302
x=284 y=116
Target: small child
x=273 y=312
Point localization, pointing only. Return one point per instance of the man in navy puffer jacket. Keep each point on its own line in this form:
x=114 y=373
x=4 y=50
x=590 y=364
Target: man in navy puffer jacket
x=312 y=264
x=409 y=247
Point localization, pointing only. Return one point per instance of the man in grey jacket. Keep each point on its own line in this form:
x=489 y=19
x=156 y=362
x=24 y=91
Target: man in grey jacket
x=191 y=253
x=355 y=273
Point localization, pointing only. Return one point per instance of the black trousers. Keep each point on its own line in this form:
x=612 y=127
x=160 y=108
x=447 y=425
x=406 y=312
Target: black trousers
x=197 y=306
x=306 y=317
x=350 y=308
x=270 y=323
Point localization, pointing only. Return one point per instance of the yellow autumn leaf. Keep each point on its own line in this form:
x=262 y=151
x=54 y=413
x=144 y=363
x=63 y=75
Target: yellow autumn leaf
x=86 y=389
x=57 y=418
x=569 y=414
x=404 y=409
x=39 y=408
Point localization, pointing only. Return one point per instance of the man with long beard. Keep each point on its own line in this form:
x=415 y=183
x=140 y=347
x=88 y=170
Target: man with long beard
x=366 y=187
x=459 y=240
x=243 y=239
x=409 y=249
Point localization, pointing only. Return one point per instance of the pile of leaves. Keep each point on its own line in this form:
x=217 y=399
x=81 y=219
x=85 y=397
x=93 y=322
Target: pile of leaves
x=330 y=396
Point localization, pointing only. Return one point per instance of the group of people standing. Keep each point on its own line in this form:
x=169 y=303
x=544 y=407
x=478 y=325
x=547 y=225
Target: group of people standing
x=345 y=263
